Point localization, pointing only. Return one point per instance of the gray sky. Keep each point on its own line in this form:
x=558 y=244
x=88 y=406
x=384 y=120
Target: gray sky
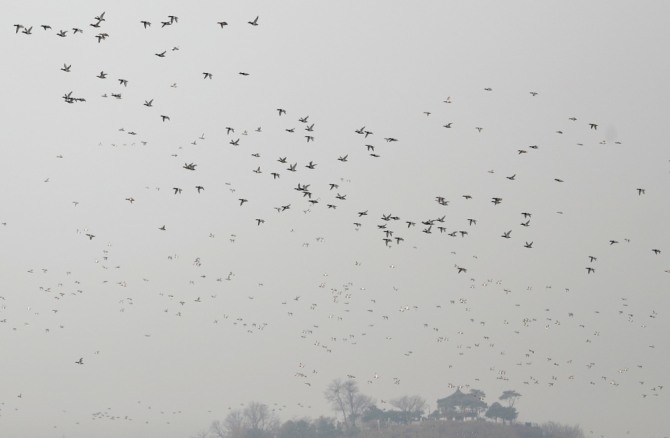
x=307 y=292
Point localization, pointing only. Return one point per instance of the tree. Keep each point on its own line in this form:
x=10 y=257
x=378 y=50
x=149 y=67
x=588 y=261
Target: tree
x=494 y=411
x=326 y=428
x=510 y=396
x=258 y=417
x=233 y=426
x=459 y=406
x=345 y=397
x=411 y=407
x=505 y=413
x=556 y=430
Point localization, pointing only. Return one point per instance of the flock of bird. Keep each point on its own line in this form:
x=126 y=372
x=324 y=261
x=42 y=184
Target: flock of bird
x=339 y=306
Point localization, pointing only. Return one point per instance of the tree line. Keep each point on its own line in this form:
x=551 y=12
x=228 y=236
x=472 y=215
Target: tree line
x=357 y=415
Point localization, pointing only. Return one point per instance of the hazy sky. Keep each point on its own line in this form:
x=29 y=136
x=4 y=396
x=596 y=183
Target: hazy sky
x=178 y=326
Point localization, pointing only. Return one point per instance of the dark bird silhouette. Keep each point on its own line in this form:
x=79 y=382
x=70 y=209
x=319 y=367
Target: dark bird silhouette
x=62 y=33
x=242 y=201
x=148 y=103
x=496 y=201
x=593 y=125
x=145 y=23
x=161 y=54
x=162 y=228
x=528 y=245
x=207 y=75
x=66 y=68
x=506 y=234
x=590 y=270
x=165 y=118
x=222 y=23
x=640 y=192
x=254 y=22
x=199 y=188
x=80 y=361
x=102 y=75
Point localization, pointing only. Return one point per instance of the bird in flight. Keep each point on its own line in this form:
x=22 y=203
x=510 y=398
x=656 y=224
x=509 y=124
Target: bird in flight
x=145 y=23
x=506 y=234
x=222 y=23
x=593 y=125
x=161 y=55
x=254 y=22
x=80 y=361
x=66 y=68
x=207 y=75
x=148 y=103
x=165 y=118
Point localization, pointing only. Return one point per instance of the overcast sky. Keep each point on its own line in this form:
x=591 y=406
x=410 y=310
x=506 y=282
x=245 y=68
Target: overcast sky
x=556 y=108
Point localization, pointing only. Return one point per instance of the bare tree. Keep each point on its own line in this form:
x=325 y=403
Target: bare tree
x=345 y=397
x=556 y=430
x=411 y=406
x=234 y=425
x=218 y=429
x=259 y=417
x=200 y=434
